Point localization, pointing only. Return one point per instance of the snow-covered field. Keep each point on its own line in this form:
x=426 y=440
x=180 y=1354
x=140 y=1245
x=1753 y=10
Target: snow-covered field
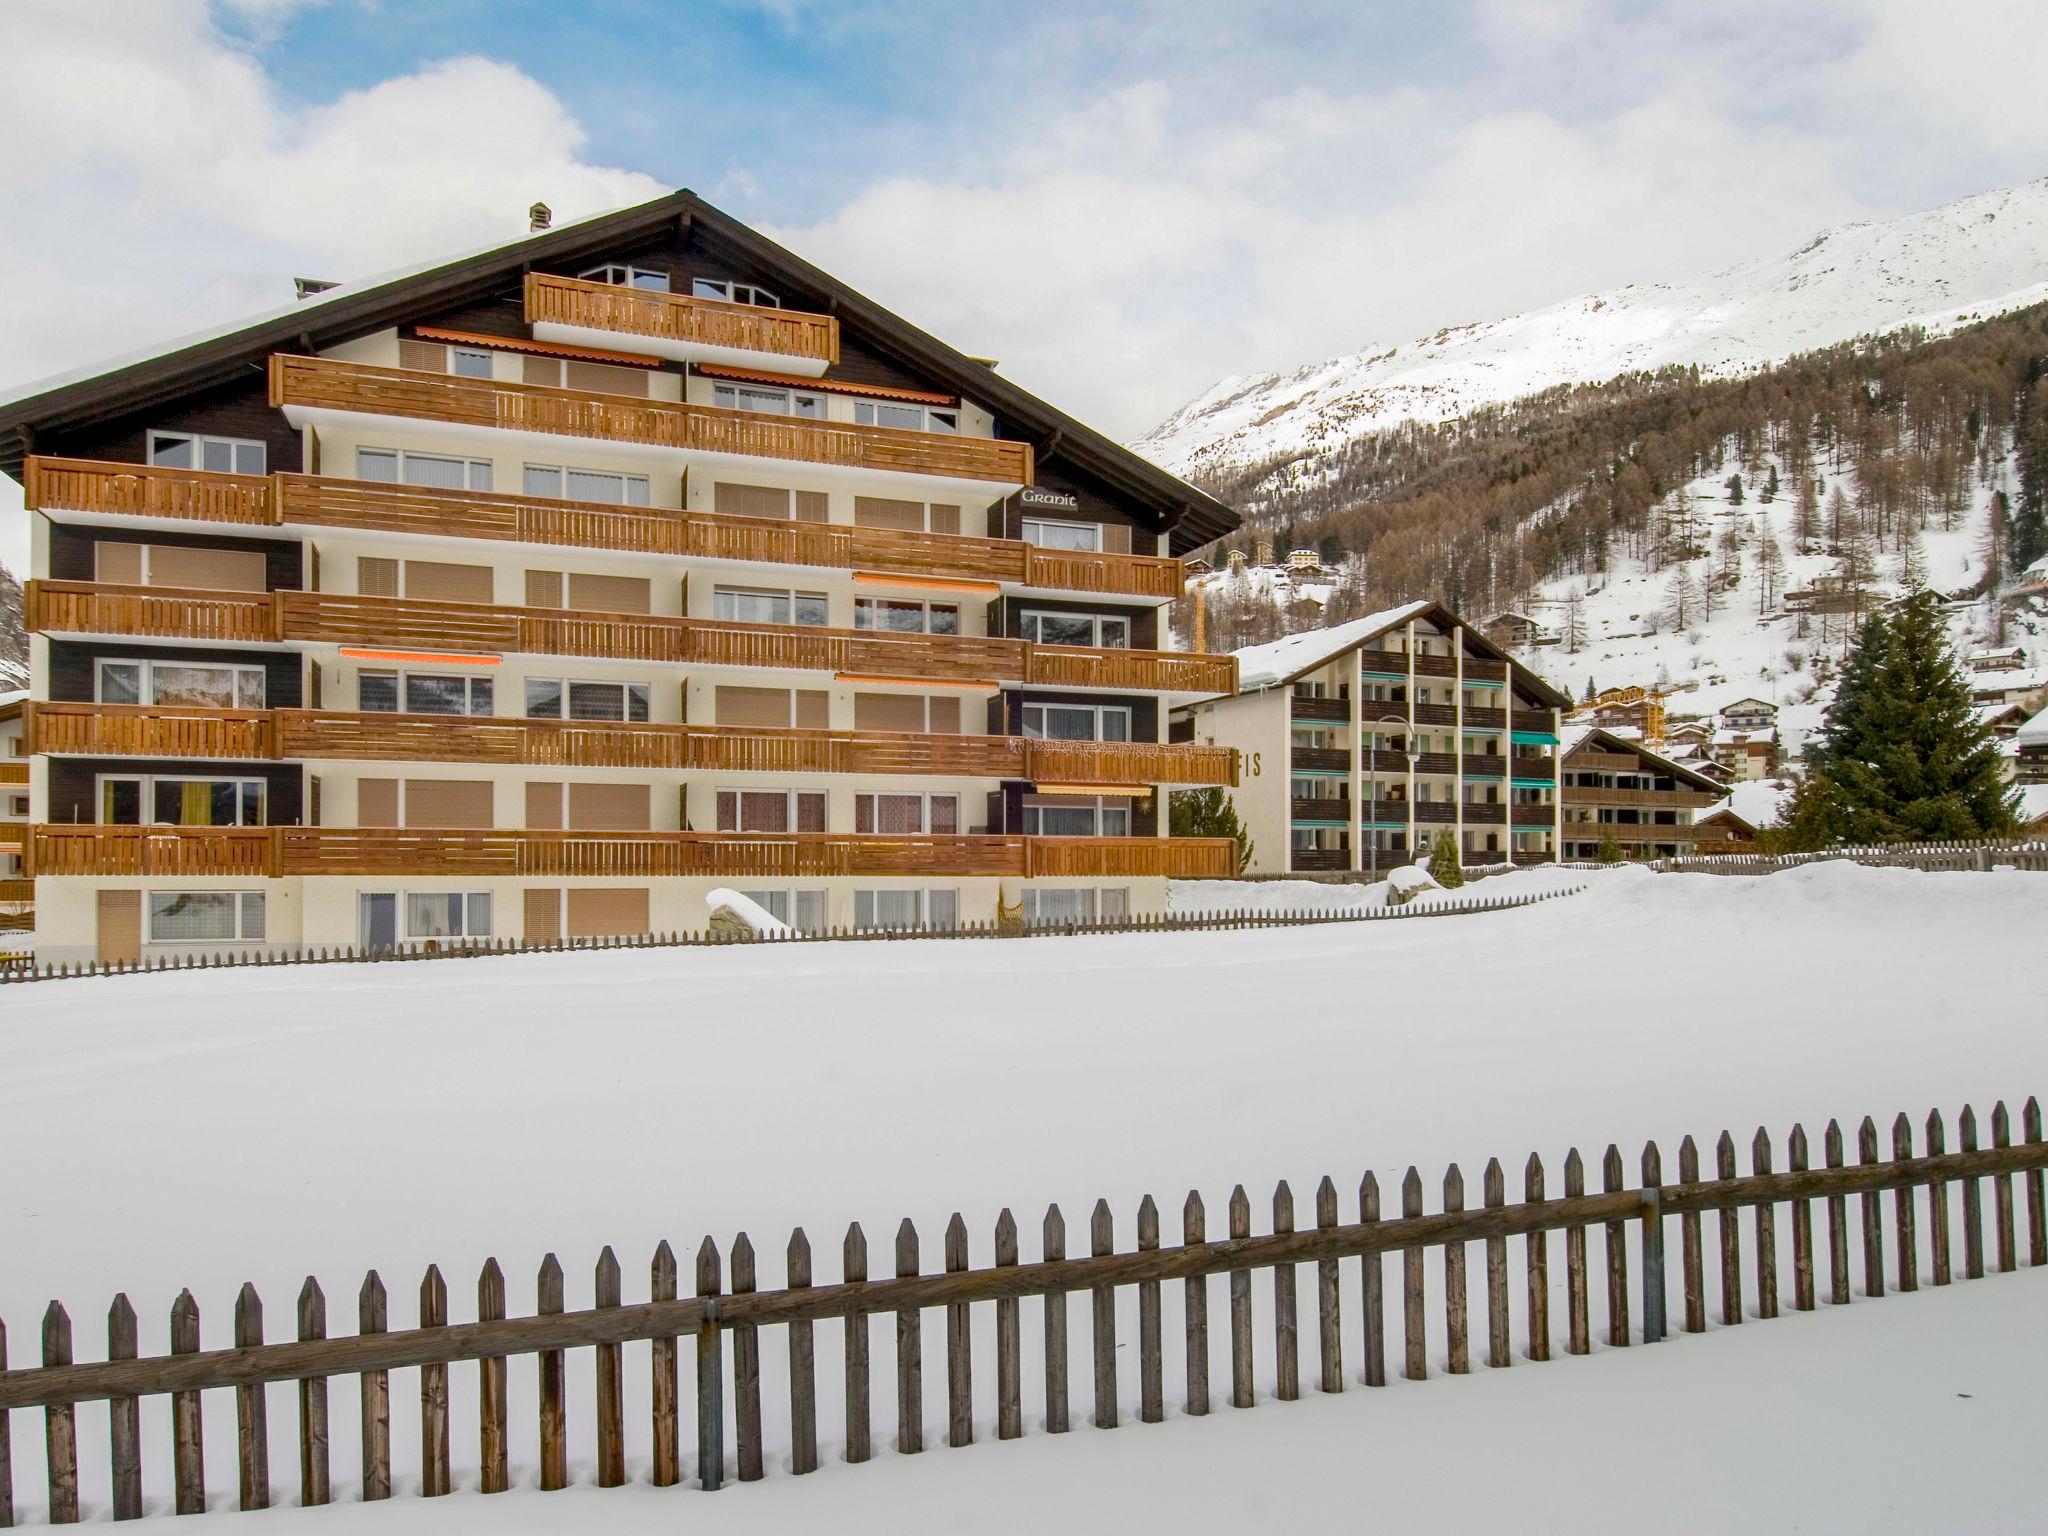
x=206 y=1129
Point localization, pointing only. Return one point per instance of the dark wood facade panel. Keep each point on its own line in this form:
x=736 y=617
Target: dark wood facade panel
x=1006 y=710
x=72 y=665
x=237 y=410
x=72 y=781
x=1005 y=616
x=72 y=546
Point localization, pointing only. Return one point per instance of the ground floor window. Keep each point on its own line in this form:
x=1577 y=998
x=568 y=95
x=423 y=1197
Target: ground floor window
x=906 y=909
x=1076 y=904
x=426 y=914
x=802 y=910
x=205 y=917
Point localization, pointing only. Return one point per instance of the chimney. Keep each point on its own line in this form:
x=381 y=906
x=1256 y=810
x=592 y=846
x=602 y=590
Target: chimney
x=539 y=217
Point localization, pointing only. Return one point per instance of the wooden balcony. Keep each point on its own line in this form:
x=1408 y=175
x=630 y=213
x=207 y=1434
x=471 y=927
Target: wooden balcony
x=1322 y=760
x=15 y=892
x=677 y=325
x=13 y=773
x=298 y=502
x=1442 y=812
x=1481 y=717
x=156 y=731
x=1483 y=815
x=1333 y=711
x=1540 y=767
x=1657 y=799
x=332 y=618
x=1308 y=808
x=1318 y=860
x=1434 y=714
x=1604 y=762
x=1480 y=668
x=1535 y=815
x=1432 y=762
x=1435 y=666
x=1481 y=764
x=279 y=852
x=322 y=384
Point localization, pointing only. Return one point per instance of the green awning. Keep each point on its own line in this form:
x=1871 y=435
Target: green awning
x=1532 y=738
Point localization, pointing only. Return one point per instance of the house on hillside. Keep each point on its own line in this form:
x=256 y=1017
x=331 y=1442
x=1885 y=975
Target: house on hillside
x=1749 y=715
x=2030 y=747
x=1614 y=785
x=2024 y=686
x=2003 y=658
x=1358 y=743
x=1517 y=632
x=1731 y=833
x=537 y=593
x=1746 y=754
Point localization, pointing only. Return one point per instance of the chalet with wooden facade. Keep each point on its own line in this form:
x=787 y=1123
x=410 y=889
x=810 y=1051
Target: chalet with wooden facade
x=537 y=593
x=1358 y=743
x=1616 y=786
x=17 y=891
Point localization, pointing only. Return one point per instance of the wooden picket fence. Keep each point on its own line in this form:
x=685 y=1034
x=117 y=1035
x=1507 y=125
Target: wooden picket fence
x=729 y=1311
x=24 y=969
x=1972 y=854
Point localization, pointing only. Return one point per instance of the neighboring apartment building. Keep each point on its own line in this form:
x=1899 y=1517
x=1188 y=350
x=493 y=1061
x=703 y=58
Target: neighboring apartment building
x=1746 y=755
x=17 y=891
x=1749 y=715
x=1613 y=784
x=2030 y=746
x=1358 y=743
x=538 y=593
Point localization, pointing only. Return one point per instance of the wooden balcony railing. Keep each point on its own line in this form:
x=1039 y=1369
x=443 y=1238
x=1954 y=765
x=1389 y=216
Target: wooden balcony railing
x=314 y=501
x=1335 y=711
x=1604 y=762
x=1316 y=860
x=332 y=618
x=13 y=773
x=1322 y=760
x=680 y=319
x=1433 y=714
x=1486 y=671
x=156 y=731
x=1307 y=808
x=1483 y=815
x=14 y=892
x=1481 y=763
x=1535 y=815
x=1659 y=799
x=1539 y=767
x=323 y=384
x=1435 y=666
x=1485 y=718
x=278 y=852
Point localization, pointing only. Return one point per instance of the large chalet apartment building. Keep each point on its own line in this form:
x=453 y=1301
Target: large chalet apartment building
x=539 y=593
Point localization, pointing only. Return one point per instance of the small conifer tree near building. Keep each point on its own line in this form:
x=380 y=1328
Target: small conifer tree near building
x=1609 y=851
x=1902 y=757
x=1209 y=813
x=1445 y=867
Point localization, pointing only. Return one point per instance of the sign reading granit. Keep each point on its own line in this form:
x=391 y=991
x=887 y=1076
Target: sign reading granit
x=1037 y=499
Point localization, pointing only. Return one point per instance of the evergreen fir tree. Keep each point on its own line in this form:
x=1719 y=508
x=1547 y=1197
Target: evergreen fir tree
x=1770 y=492
x=1209 y=813
x=2027 y=528
x=1609 y=851
x=1445 y=867
x=1903 y=755
x=1735 y=490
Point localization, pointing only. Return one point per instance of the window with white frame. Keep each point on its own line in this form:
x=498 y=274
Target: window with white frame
x=205 y=917
x=558 y=698
x=938 y=908
x=771 y=810
x=1077 y=722
x=907 y=815
x=215 y=455
x=431 y=471
x=733 y=292
x=750 y=605
x=1103 y=631
x=469 y=362
x=802 y=910
x=1075 y=904
x=562 y=482
x=1077 y=816
x=447 y=914
x=423 y=693
x=193 y=684
x=769 y=401
x=905 y=416
x=621 y=276
x=906 y=616
x=1051 y=533
x=138 y=799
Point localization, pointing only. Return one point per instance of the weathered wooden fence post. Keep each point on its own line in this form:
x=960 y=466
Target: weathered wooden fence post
x=1536 y=1259
x=1009 y=1362
x=1372 y=1288
x=1241 y=1390
x=1101 y=1244
x=909 y=1351
x=1329 y=1324
x=1575 y=1258
x=1654 y=1296
x=607 y=1291
x=434 y=1474
x=124 y=1417
x=803 y=1365
x=959 y=1345
x=1286 y=1320
x=1766 y=1231
x=1194 y=1229
x=554 y=1411
x=313 y=1460
x=710 y=1371
x=60 y=1423
x=664 y=1407
x=853 y=1269
x=188 y=1458
x=372 y=1317
x=1151 y=1364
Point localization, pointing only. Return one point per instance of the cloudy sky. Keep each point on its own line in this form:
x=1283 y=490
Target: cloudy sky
x=1122 y=202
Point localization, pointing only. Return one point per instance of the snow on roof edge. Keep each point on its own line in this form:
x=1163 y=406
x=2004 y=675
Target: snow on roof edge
x=1263 y=666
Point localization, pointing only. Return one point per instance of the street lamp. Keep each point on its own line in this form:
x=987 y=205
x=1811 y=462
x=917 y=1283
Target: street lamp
x=1408 y=735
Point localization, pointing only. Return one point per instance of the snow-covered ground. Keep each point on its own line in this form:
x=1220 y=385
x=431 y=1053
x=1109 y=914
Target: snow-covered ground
x=203 y=1130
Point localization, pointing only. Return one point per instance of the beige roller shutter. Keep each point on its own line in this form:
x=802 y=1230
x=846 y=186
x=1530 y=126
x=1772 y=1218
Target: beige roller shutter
x=541 y=370
x=611 y=594
x=543 y=589
x=813 y=709
x=448 y=803
x=1116 y=538
x=376 y=577
x=544 y=806
x=600 y=912
x=120 y=927
x=427 y=356
x=751 y=706
x=448 y=583
x=376 y=802
x=945 y=519
x=610 y=808
x=213 y=570
x=813 y=507
x=604 y=379
x=750 y=500
x=543 y=914
x=946 y=715
x=888 y=712
x=120 y=564
x=879 y=512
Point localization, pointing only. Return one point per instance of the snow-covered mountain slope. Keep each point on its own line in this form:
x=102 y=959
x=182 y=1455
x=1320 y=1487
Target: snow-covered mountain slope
x=1973 y=258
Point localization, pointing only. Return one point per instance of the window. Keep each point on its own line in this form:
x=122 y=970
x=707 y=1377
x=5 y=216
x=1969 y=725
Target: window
x=555 y=698
x=215 y=455
x=1050 y=534
x=139 y=799
x=771 y=810
x=1077 y=816
x=205 y=917
x=748 y=606
x=733 y=293
x=732 y=499
x=179 y=683
x=17 y=805
x=628 y=277
x=907 y=815
x=586 y=485
x=1075 y=904
x=906 y=909
x=1077 y=722
x=391 y=466
x=1099 y=630
x=469 y=362
x=906 y=616
x=909 y=418
x=774 y=402
x=424 y=693
x=447 y=915
x=808 y=907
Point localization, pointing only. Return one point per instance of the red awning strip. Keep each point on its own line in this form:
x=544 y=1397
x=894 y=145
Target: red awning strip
x=544 y=348
x=828 y=386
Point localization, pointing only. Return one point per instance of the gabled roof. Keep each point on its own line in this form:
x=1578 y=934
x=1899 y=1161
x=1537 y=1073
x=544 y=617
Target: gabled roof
x=1279 y=662
x=227 y=355
x=1767 y=704
x=1613 y=741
